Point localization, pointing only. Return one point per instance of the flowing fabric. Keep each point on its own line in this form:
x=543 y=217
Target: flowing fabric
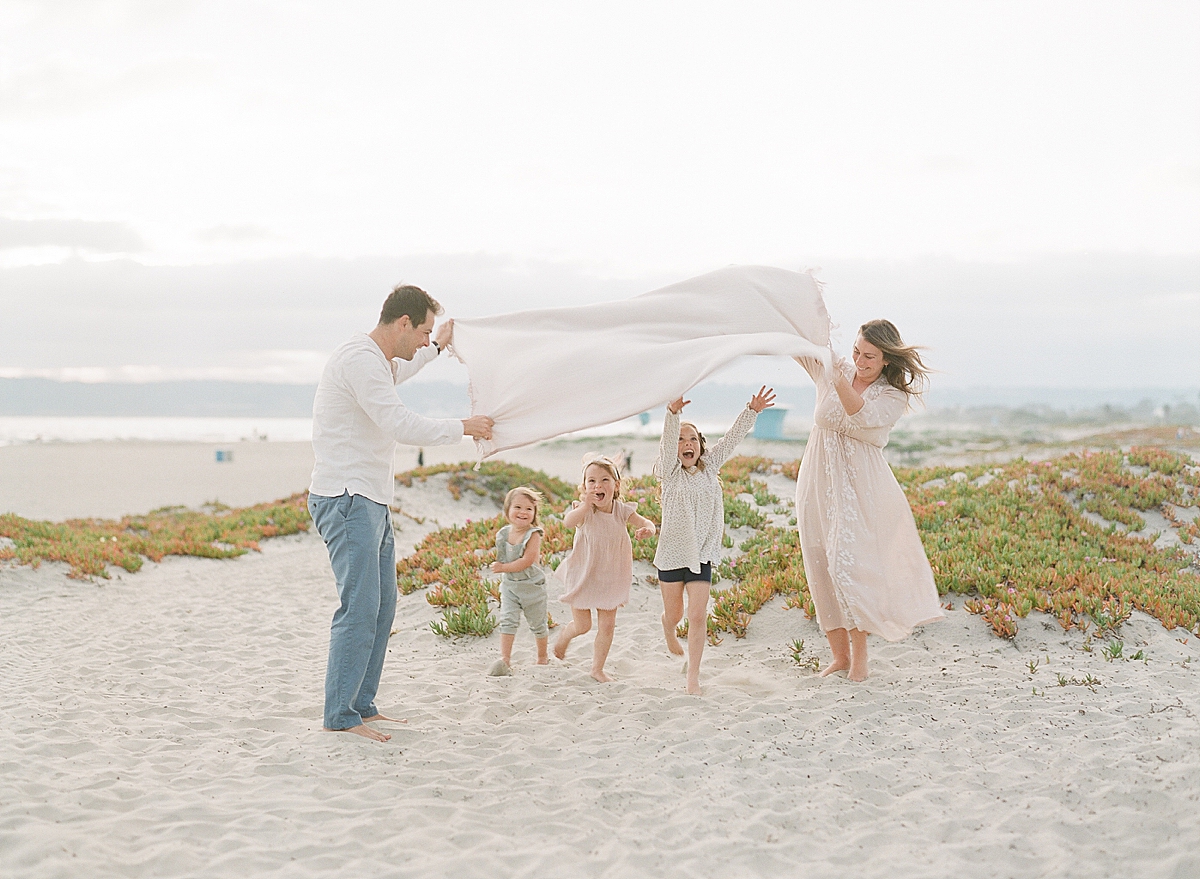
x=540 y=374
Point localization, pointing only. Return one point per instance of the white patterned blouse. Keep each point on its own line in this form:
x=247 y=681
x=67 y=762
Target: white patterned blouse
x=693 y=511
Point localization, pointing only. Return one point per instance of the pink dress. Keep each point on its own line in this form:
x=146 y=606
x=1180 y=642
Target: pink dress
x=599 y=570
x=865 y=565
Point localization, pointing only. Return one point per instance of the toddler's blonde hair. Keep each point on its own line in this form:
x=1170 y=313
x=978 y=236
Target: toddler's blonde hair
x=534 y=496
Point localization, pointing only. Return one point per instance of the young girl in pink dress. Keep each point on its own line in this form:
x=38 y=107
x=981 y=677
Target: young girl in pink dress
x=599 y=570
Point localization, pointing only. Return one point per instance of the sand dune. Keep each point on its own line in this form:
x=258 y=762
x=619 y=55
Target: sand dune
x=167 y=723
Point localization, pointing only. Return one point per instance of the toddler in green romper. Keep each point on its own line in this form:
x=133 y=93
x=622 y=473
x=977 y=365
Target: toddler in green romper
x=523 y=584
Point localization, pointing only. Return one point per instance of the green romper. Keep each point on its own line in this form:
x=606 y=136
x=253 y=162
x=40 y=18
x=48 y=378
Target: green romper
x=521 y=591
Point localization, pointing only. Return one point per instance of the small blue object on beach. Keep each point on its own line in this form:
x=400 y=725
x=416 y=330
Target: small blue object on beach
x=224 y=456
x=644 y=418
x=769 y=424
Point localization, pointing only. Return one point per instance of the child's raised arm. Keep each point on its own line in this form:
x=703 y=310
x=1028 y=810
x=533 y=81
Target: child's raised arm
x=575 y=516
x=723 y=448
x=533 y=549
x=668 y=447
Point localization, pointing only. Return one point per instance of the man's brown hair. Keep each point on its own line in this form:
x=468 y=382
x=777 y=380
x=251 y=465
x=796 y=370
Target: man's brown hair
x=410 y=300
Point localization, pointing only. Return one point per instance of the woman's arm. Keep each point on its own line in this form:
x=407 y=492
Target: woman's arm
x=851 y=399
x=812 y=366
x=883 y=411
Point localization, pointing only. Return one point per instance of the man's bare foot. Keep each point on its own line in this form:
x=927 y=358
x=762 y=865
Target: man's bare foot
x=836 y=665
x=385 y=719
x=560 y=649
x=858 y=670
x=601 y=676
x=672 y=641
x=365 y=731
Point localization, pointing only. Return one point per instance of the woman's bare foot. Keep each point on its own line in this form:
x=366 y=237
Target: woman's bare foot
x=543 y=660
x=838 y=664
x=669 y=633
x=376 y=717
x=693 y=689
x=601 y=676
x=365 y=731
x=560 y=648
x=858 y=669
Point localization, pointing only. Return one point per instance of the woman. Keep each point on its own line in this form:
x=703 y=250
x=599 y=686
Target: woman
x=866 y=569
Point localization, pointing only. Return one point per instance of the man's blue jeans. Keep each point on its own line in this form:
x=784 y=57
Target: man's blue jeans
x=358 y=534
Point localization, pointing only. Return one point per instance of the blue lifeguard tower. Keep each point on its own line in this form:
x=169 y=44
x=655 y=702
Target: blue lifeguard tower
x=769 y=425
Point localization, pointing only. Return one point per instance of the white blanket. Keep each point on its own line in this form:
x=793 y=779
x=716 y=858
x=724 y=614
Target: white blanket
x=543 y=373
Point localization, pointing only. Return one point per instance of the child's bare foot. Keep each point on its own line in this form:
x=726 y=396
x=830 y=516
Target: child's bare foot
x=365 y=731
x=376 y=717
x=672 y=641
x=836 y=665
x=858 y=669
x=601 y=676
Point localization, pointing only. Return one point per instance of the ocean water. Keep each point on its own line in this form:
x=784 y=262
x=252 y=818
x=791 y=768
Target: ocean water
x=80 y=429
x=76 y=429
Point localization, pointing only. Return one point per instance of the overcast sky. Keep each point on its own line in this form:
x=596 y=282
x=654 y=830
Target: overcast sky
x=229 y=189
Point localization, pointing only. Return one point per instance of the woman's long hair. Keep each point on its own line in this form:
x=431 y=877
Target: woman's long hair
x=903 y=367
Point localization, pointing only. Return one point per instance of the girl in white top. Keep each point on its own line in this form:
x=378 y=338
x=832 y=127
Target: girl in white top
x=693 y=521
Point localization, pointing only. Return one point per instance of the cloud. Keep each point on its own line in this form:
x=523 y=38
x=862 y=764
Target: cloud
x=247 y=232
x=1072 y=320
x=272 y=367
x=56 y=88
x=93 y=235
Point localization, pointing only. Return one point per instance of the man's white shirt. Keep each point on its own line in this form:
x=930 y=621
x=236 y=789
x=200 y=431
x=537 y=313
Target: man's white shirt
x=358 y=419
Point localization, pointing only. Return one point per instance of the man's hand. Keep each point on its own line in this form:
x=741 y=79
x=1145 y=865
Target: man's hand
x=478 y=426
x=445 y=334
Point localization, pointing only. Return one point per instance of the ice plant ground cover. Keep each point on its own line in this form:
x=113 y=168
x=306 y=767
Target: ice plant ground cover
x=1055 y=536
x=1067 y=536
x=89 y=546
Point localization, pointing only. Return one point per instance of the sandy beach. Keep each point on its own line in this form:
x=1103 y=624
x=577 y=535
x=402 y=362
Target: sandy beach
x=167 y=723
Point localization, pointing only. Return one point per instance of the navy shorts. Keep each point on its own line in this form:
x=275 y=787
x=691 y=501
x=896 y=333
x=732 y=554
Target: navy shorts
x=680 y=575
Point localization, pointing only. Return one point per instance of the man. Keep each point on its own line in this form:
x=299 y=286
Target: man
x=357 y=420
